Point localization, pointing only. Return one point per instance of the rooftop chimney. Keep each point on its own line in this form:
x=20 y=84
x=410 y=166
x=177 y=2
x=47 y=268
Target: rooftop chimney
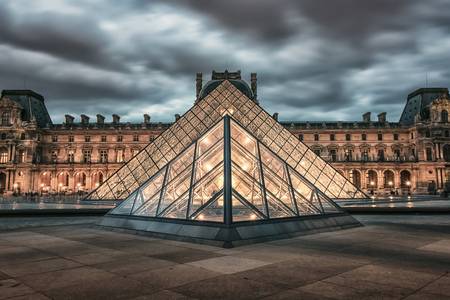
x=382 y=117
x=177 y=117
x=84 y=119
x=146 y=119
x=366 y=116
x=69 y=119
x=100 y=119
x=275 y=116
x=198 y=84
x=253 y=85
x=116 y=119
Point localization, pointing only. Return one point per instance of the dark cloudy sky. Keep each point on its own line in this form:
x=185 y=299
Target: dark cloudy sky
x=316 y=60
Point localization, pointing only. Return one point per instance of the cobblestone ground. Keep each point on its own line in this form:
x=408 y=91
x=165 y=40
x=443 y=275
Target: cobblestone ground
x=392 y=257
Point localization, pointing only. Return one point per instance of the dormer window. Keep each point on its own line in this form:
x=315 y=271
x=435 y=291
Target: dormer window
x=6 y=118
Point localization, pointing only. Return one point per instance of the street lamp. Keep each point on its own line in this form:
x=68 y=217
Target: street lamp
x=408 y=184
x=372 y=184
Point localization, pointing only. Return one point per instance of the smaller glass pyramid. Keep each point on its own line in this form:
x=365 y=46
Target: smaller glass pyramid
x=227 y=175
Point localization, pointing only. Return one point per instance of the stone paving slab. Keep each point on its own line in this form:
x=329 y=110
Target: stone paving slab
x=379 y=261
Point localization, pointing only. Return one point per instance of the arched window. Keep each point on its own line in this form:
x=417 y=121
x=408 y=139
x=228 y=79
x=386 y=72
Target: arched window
x=444 y=116
x=356 y=178
x=372 y=179
x=6 y=118
x=405 y=179
x=388 y=179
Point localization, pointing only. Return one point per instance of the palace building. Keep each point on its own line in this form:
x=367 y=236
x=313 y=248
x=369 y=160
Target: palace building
x=379 y=156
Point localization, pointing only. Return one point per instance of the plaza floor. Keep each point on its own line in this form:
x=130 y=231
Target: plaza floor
x=391 y=257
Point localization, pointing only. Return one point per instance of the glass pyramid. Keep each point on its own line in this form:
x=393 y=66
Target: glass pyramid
x=227 y=175
x=225 y=99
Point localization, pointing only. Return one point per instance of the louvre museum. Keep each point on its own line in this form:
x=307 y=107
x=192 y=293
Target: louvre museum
x=377 y=157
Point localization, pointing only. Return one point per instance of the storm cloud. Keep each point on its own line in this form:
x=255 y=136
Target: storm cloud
x=334 y=57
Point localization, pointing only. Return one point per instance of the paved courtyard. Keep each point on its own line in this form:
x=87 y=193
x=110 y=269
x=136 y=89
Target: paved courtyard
x=392 y=257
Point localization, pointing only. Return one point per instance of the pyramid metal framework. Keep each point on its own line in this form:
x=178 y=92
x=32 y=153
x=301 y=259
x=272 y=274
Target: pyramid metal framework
x=157 y=163
x=196 y=184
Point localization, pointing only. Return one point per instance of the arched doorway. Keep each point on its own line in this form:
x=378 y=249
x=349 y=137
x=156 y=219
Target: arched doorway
x=45 y=181
x=97 y=179
x=2 y=182
x=389 y=179
x=356 y=178
x=405 y=179
x=63 y=181
x=446 y=152
x=80 y=181
x=372 y=179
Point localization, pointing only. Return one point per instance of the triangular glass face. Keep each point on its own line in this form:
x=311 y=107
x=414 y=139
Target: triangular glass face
x=178 y=208
x=327 y=205
x=226 y=99
x=126 y=206
x=243 y=211
x=213 y=211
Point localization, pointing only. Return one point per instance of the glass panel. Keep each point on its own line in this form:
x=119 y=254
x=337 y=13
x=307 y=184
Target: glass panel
x=212 y=212
x=125 y=207
x=175 y=188
x=243 y=138
x=206 y=188
x=210 y=138
x=327 y=205
x=177 y=210
x=181 y=163
x=154 y=185
x=278 y=188
x=248 y=188
x=245 y=161
x=138 y=201
x=305 y=207
x=209 y=161
x=272 y=162
x=148 y=209
x=277 y=209
x=243 y=212
x=299 y=185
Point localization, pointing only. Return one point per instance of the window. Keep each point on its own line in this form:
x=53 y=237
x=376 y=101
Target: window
x=134 y=152
x=446 y=133
x=119 y=138
x=395 y=136
x=71 y=156
x=427 y=133
x=317 y=152
x=429 y=154
x=6 y=118
x=22 y=136
x=3 y=156
x=396 y=154
x=54 y=156
x=21 y=156
x=87 y=138
x=300 y=137
x=381 y=154
x=103 y=138
x=364 y=137
x=54 y=138
x=332 y=137
x=3 y=136
x=151 y=138
x=348 y=137
x=104 y=156
x=444 y=116
x=120 y=155
x=86 y=156
x=365 y=155
x=412 y=135
x=348 y=154
x=380 y=136
x=71 y=139
x=333 y=155
x=136 y=138
x=316 y=136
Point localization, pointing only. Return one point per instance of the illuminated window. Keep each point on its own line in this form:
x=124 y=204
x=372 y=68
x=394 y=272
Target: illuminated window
x=103 y=156
x=3 y=156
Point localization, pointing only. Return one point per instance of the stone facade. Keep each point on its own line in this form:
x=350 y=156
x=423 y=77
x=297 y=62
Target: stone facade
x=380 y=157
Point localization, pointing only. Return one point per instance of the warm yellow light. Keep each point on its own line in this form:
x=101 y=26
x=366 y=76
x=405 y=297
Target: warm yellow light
x=245 y=166
x=42 y=185
x=252 y=216
x=408 y=183
x=372 y=183
x=390 y=182
x=97 y=184
x=15 y=185
x=60 y=184
x=201 y=217
x=78 y=184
